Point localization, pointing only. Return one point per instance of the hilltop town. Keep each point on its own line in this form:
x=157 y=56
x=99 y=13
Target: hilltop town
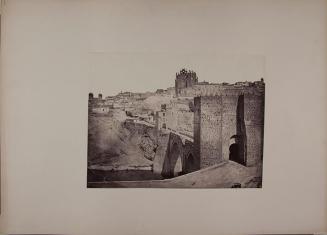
x=175 y=131
x=171 y=108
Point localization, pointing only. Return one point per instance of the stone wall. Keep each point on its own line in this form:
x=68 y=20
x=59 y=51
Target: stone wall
x=197 y=130
x=184 y=79
x=229 y=122
x=221 y=89
x=177 y=116
x=180 y=120
x=207 y=130
x=161 y=152
x=229 y=127
x=254 y=125
x=160 y=120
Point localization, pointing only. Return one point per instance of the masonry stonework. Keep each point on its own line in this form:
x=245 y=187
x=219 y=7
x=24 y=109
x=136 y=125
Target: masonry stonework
x=229 y=126
x=207 y=130
x=174 y=156
x=224 y=120
x=254 y=126
x=185 y=79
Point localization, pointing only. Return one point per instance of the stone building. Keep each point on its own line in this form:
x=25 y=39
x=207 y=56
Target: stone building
x=179 y=116
x=98 y=104
x=176 y=115
x=187 y=85
x=226 y=120
x=229 y=127
x=160 y=118
x=95 y=100
x=185 y=79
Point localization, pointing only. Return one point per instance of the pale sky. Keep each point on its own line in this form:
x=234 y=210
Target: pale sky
x=140 y=47
x=111 y=73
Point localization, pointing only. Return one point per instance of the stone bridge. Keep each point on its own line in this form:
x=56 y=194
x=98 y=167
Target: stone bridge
x=174 y=155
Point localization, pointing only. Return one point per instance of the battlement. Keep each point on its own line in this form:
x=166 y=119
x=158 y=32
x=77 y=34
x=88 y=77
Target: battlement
x=187 y=74
x=185 y=79
x=187 y=85
x=91 y=96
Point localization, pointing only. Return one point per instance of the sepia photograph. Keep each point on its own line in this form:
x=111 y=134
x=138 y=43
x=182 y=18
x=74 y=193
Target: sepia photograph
x=196 y=133
x=163 y=117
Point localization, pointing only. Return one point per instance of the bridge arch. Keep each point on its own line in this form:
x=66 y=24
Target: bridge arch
x=190 y=163
x=174 y=159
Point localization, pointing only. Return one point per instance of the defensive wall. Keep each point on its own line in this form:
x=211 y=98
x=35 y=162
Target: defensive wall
x=177 y=115
x=229 y=127
x=185 y=79
x=227 y=120
x=220 y=89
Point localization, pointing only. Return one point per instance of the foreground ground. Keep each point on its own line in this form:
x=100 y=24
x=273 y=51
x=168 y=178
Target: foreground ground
x=225 y=175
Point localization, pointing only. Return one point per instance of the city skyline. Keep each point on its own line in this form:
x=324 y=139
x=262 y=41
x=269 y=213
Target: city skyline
x=138 y=73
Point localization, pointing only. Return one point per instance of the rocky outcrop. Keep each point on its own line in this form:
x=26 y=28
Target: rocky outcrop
x=144 y=137
x=111 y=143
x=148 y=146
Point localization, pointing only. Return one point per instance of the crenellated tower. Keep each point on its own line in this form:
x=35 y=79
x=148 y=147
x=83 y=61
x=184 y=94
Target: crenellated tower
x=185 y=79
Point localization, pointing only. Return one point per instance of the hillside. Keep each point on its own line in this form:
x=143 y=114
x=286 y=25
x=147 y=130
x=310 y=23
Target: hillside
x=155 y=102
x=110 y=143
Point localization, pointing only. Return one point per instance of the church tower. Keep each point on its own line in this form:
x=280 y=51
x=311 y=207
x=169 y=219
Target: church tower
x=184 y=79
